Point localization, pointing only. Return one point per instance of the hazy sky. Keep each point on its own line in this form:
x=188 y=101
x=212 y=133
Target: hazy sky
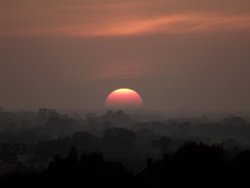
x=183 y=55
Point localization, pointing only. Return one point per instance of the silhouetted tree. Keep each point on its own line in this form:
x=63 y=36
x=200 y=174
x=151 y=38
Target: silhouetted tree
x=120 y=140
x=163 y=144
x=84 y=141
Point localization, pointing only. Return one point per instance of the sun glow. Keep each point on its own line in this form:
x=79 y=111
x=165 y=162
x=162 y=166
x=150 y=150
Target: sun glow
x=124 y=98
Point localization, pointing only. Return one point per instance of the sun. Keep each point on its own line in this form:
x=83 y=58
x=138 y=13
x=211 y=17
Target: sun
x=124 y=98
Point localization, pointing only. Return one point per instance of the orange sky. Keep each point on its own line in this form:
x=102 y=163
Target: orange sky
x=120 y=18
x=185 y=55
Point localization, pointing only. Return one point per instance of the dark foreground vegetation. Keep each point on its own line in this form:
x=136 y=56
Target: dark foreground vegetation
x=192 y=164
x=46 y=148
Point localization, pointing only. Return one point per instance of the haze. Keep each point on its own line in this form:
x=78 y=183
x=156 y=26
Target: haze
x=186 y=55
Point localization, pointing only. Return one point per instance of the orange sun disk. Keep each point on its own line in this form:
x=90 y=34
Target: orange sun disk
x=124 y=99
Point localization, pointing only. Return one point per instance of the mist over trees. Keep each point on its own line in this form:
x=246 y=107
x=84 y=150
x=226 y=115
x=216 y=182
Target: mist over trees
x=133 y=136
x=130 y=147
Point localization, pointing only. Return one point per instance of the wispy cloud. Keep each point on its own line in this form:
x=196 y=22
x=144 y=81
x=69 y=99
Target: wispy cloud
x=167 y=24
x=123 y=18
x=121 y=70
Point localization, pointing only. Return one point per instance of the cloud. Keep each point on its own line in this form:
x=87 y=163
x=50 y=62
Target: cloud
x=120 y=18
x=168 y=24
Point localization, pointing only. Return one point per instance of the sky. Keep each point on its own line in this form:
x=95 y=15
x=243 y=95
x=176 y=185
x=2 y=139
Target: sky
x=181 y=56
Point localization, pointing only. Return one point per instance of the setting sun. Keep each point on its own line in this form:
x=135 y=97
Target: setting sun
x=124 y=99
